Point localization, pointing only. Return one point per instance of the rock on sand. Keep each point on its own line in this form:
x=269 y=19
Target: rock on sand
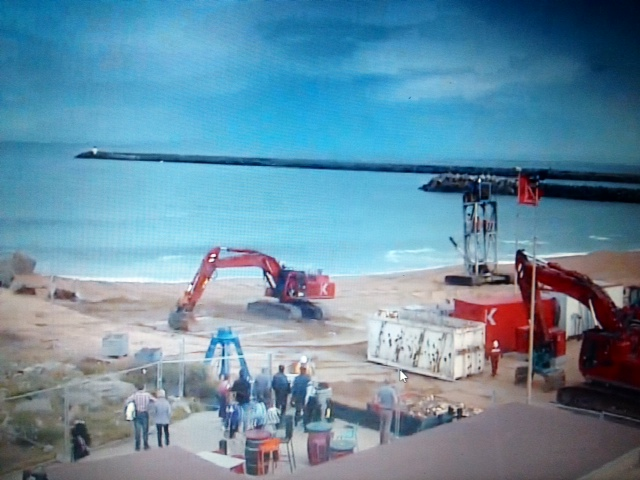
x=18 y=264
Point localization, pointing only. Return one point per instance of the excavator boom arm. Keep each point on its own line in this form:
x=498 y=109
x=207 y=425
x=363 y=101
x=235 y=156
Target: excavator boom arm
x=573 y=284
x=213 y=261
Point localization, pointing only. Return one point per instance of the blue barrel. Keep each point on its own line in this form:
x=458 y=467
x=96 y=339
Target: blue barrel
x=341 y=448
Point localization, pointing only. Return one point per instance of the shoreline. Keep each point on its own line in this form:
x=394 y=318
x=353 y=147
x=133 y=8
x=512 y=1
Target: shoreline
x=418 y=270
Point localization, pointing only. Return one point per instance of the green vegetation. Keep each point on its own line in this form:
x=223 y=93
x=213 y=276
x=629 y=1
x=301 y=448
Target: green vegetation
x=40 y=428
x=27 y=383
x=197 y=380
x=90 y=366
x=107 y=425
x=105 y=422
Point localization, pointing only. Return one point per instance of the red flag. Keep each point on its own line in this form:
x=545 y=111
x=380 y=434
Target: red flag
x=528 y=192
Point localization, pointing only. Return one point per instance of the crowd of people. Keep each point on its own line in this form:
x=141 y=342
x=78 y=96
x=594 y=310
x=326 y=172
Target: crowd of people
x=245 y=404
x=273 y=395
x=263 y=403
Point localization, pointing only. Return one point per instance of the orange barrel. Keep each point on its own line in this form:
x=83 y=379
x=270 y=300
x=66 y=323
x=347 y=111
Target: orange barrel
x=318 y=442
x=341 y=448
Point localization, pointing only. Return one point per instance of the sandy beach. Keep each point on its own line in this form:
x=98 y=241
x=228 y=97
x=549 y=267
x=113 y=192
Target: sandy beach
x=35 y=329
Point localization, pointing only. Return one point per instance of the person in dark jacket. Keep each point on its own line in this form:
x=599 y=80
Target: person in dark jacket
x=234 y=415
x=80 y=441
x=299 y=393
x=242 y=389
x=281 y=389
x=262 y=386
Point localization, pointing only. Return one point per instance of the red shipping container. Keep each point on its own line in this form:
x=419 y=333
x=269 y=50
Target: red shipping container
x=502 y=316
x=558 y=336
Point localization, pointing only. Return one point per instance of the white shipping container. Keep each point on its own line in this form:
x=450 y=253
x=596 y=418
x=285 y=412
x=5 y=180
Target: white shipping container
x=427 y=342
x=576 y=317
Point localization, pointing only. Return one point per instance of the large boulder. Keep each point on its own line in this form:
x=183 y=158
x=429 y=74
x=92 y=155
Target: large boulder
x=17 y=264
x=22 y=264
x=6 y=273
x=95 y=392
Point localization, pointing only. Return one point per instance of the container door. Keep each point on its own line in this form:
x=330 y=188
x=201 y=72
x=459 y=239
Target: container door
x=469 y=353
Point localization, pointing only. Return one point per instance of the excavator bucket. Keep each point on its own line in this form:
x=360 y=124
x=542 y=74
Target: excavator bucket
x=180 y=320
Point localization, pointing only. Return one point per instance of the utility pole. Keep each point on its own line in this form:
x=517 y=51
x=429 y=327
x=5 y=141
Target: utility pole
x=181 y=370
x=532 y=314
x=159 y=373
x=515 y=272
x=67 y=406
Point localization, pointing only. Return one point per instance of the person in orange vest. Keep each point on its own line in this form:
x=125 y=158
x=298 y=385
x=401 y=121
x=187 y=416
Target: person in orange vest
x=495 y=355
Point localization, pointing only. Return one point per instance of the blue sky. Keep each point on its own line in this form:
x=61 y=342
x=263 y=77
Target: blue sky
x=371 y=80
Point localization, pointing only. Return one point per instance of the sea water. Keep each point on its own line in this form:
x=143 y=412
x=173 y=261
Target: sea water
x=133 y=221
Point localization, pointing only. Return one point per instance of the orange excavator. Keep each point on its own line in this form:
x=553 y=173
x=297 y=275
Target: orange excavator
x=292 y=288
x=610 y=353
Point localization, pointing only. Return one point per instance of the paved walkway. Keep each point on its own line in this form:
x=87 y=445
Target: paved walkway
x=203 y=431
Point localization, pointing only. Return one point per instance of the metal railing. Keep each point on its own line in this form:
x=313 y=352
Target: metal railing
x=44 y=417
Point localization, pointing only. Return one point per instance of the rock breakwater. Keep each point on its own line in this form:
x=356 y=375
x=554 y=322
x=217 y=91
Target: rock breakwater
x=459 y=183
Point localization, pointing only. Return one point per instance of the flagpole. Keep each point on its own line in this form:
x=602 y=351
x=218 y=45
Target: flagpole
x=531 y=324
x=532 y=312
x=515 y=272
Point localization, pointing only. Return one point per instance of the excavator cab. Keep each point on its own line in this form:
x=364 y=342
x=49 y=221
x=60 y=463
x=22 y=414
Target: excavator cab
x=290 y=285
x=596 y=351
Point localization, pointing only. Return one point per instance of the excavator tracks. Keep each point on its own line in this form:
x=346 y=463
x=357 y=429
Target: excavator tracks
x=300 y=310
x=601 y=399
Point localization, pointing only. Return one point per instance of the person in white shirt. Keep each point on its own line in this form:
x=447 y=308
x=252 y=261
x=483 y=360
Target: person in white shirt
x=273 y=419
x=259 y=415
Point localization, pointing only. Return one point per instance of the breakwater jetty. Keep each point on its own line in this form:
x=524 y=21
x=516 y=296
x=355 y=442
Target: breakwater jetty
x=459 y=183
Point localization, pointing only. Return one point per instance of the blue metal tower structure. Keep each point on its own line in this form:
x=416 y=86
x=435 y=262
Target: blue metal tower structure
x=226 y=339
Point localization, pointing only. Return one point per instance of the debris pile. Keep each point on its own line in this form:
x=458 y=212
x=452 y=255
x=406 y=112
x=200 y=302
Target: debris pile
x=62 y=294
x=431 y=406
x=428 y=412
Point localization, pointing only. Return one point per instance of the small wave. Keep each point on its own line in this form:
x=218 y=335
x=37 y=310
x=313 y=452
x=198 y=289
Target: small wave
x=523 y=242
x=395 y=255
x=562 y=254
x=600 y=239
x=123 y=279
x=392 y=272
